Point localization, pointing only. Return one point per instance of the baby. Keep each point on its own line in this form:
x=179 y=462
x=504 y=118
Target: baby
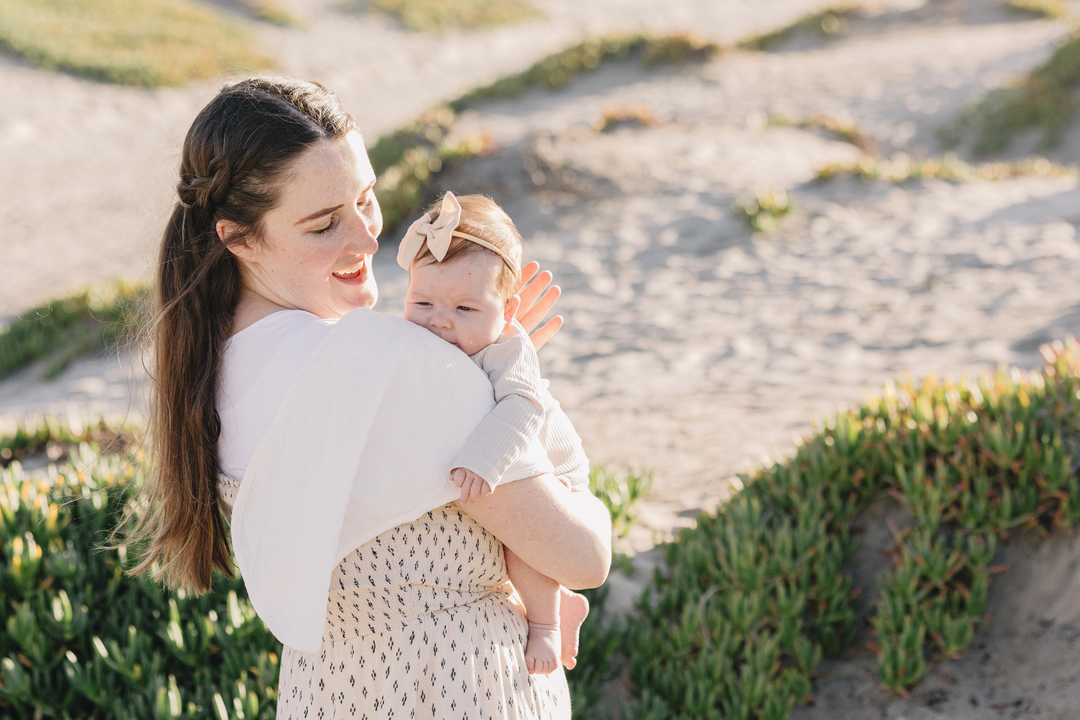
x=463 y=259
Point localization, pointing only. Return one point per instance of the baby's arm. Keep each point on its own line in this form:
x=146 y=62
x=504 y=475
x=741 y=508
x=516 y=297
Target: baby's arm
x=563 y=446
x=508 y=430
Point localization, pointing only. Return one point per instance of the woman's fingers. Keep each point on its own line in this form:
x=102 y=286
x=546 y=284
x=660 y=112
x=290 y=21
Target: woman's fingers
x=527 y=272
x=535 y=303
x=531 y=296
x=530 y=318
x=541 y=336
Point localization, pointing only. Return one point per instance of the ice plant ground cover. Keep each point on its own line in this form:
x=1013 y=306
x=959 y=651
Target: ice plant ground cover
x=81 y=639
x=756 y=594
x=1045 y=99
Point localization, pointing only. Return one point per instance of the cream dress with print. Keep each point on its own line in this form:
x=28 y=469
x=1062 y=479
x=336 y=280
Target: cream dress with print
x=419 y=625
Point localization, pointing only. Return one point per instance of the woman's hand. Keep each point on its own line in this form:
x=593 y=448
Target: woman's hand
x=564 y=535
x=535 y=304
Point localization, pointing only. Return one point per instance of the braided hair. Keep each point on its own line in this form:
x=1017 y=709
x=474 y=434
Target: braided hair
x=234 y=166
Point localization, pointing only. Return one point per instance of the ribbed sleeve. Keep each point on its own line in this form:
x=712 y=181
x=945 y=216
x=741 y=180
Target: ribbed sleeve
x=508 y=430
x=525 y=411
x=563 y=446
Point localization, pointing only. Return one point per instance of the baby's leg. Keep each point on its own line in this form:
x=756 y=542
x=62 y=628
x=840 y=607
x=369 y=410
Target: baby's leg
x=540 y=594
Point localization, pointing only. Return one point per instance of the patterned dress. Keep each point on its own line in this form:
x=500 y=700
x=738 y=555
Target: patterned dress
x=419 y=625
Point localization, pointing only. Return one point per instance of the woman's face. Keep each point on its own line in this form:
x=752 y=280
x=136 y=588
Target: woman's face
x=316 y=246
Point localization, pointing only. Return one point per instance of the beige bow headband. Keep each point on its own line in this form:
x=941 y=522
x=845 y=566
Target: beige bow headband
x=438 y=235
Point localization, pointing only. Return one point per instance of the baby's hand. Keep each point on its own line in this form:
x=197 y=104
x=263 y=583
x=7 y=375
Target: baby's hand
x=472 y=485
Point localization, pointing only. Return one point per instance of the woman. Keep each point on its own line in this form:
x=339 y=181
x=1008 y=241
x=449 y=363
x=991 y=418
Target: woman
x=265 y=265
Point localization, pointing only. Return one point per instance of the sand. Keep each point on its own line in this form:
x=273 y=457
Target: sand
x=692 y=345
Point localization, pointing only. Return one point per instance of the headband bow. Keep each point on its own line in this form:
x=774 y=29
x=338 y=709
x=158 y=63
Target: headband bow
x=438 y=234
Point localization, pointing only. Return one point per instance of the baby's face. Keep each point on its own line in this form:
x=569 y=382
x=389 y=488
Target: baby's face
x=458 y=302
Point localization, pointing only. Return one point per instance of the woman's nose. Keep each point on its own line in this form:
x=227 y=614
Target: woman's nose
x=361 y=238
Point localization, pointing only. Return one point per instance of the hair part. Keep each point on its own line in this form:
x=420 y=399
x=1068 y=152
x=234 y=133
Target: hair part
x=481 y=216
x=235 y=163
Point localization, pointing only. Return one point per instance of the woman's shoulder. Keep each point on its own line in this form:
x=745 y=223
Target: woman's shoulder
x=394 y=341
x=389 y=333
x=280 y=324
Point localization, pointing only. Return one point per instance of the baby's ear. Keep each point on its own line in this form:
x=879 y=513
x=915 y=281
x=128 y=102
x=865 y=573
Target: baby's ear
x=511 y=308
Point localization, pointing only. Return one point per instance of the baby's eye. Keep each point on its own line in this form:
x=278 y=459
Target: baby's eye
x=462 y=307
x=330 y=226
x=422 y=303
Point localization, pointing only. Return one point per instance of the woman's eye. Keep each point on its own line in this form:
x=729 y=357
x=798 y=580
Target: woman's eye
x=330 y=226
x=364 y=201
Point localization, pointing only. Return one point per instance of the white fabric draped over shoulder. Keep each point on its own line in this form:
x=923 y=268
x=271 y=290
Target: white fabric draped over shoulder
x=362 y=442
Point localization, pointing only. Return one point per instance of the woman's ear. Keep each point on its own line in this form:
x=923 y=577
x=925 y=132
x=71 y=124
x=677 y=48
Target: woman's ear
x=511 y=308
x=227 y=229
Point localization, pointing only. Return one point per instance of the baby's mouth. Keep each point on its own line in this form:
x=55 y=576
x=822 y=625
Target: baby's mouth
x=352 y=271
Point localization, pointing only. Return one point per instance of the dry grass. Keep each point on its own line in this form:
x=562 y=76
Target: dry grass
x=828 y=23
x=559 y=68
x=901 y=167
x=623 y=116
x=843 y=130
x=1040 y=8
x=272 y=12
x=131 y=42
x=441 y=15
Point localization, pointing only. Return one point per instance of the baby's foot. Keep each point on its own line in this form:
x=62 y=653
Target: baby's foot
x=542 y=649
x=573 y=609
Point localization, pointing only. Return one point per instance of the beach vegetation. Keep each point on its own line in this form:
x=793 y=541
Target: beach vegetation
x=441 y=15
x=406 y=161
x=832 y=22
x=1040 y=8
x=844 y=130
x=271 y=11
x=1045 y=99
x=624 y=116
x=557 y=69
x=755 y=595
x=73 y=325
x=762 y=212
x=84 y=639
x=901 y=168
x=129 y=42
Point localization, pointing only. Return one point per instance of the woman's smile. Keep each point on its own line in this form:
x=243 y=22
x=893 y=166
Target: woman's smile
x=355 y=273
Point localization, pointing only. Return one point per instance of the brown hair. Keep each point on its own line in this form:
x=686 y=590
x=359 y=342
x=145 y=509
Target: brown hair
x=481 y=216
x=235 y=161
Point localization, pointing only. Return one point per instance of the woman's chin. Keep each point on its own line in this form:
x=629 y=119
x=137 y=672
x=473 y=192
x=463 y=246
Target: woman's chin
x=356 y=295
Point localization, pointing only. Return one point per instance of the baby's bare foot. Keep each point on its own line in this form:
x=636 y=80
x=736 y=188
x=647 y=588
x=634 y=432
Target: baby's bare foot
x=573 y=609
x=542 y=649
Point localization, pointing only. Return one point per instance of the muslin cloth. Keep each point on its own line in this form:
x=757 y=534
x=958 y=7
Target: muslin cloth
x=363 y=441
